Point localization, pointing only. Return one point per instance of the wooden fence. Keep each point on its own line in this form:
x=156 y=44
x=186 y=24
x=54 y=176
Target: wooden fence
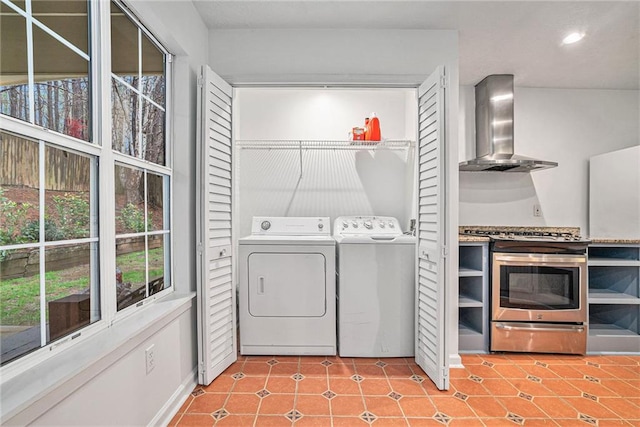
x=19 y=160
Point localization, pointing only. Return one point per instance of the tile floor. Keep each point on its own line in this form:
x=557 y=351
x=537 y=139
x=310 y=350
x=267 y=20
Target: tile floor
x=491 y=390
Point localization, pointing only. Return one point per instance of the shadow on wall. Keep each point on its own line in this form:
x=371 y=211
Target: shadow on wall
x=490 y=198
x=382 y=174
x=333 y=183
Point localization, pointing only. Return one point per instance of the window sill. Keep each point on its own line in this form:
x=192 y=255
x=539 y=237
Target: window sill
x=48 y=383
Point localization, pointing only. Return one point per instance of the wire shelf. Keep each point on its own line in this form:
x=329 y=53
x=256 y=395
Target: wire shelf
x=323 y=145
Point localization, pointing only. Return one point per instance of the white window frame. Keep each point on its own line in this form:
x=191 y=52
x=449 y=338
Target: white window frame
x=100 y=147
x=137 y=162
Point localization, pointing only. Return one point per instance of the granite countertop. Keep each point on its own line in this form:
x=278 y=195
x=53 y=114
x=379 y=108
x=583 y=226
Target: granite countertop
x=466 y=238
x=575 y=231
x=561 y=230
x=463 y=237
x=613 y=240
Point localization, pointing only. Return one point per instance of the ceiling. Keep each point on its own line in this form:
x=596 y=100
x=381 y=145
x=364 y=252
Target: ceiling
x=523 y=38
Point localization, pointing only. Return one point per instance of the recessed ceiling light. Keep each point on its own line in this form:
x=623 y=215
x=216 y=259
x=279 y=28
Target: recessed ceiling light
x=572 y=38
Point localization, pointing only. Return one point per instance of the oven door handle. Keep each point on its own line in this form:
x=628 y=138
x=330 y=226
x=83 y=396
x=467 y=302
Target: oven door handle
x=547 y=327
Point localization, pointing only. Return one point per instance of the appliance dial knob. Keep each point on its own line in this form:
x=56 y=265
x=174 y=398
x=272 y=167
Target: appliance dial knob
x=320 y=226
x=345 y=224
x=391 y=224
x=368 y=224
x=265 y=225
x=381 y=224
x=355 y=224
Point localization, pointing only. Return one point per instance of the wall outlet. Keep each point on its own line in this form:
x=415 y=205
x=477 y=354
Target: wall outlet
x=150 y=358
x=537 y=210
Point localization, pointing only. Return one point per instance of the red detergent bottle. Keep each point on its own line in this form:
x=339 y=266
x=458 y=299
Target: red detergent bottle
x=374 y=128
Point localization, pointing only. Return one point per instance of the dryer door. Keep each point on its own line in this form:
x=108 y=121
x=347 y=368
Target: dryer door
x=287 y=284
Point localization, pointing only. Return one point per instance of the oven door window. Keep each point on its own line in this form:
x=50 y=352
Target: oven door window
x=539 y=288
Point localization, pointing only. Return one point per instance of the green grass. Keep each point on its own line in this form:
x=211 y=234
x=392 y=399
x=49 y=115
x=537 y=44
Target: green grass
x=20 y=298
x=132 y=266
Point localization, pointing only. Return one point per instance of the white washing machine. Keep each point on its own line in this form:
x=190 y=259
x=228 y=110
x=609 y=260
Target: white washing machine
x=287 y=287
x=376 y=287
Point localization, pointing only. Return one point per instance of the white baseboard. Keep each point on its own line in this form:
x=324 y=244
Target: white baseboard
x=455 y=361
x=173 y=404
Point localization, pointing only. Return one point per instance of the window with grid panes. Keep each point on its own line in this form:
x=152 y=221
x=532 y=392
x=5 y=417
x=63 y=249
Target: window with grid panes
x=50 y=235
x=138 y=117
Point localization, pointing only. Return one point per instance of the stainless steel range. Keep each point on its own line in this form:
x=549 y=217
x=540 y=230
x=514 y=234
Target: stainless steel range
x=538 y=290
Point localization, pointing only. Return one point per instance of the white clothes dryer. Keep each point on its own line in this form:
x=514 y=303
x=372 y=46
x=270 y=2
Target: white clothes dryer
x=376 y=287
x=286 y=287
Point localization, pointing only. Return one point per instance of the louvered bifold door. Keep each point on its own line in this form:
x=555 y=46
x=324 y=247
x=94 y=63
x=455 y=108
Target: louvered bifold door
x=430 y=351
x=216 y=292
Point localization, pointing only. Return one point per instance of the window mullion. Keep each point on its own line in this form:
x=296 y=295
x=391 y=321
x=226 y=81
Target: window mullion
x=41 y=251
x=146 y=234
x=141 y=147
x=30 y=64
x=106 y=177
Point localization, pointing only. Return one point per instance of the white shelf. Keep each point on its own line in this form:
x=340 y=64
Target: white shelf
x=466 y=302
x=607 y=296
x=612 y=262
x=599 y=329
x=466 y=330
x=323 y=145
x=469 y=272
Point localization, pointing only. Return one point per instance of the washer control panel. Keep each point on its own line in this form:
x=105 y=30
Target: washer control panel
x=366 y=225
x=291 y=226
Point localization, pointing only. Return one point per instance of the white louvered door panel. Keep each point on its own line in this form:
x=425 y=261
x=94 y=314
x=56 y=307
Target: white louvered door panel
x=431 y=354
x=217 y=346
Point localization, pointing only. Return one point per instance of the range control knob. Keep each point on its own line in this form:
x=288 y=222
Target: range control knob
x=355 y=224
x=265 y=225
x=381 y=224
x=391 y=224
x=368 y=224
x=345 y=224
x=320 y=226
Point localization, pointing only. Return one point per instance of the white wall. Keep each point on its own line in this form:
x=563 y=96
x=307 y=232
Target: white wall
x=365 y=57
x=121 y=393
x=567 y=126
x=331 y=56
x=333 y=182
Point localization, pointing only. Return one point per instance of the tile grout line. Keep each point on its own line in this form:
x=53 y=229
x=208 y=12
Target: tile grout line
x=266 y=380
x=565 y=382
x=404 y=416
x=230 y=392
x=329 y=388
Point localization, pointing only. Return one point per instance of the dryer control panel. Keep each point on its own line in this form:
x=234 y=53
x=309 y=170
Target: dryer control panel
x=366 y=225
x=291 y=226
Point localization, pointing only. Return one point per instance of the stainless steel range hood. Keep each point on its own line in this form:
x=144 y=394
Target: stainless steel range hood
x=494 y=130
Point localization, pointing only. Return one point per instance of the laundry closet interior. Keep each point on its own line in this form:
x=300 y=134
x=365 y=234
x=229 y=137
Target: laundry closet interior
x=293 y=156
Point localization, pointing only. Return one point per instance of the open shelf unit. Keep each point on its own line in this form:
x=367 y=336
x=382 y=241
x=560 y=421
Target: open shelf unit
x=614 y=298
x=473 y=297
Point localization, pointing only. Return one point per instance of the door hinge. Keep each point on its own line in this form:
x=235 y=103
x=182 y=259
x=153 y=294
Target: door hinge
x=199 y=248
x=444 y=81
x=445 y=251
x=200 y=80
